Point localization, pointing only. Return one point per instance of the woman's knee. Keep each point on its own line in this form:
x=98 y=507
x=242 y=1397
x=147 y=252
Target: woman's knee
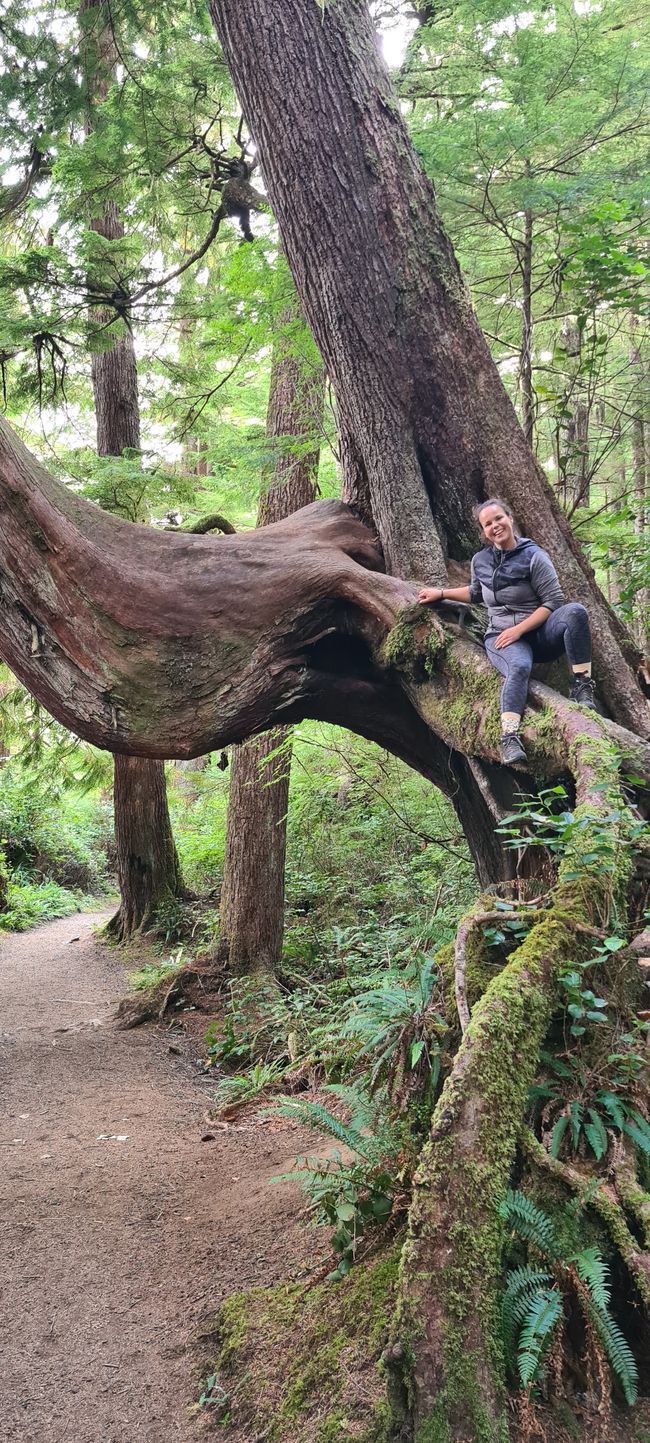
x=519 y=672
x=575 y=611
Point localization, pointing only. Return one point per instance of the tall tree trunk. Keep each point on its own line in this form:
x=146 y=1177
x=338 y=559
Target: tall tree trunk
x=252 y=897
x=427 y=430
x=640 y=476
x=147 y=861
x=147 y=864
x=428 y=427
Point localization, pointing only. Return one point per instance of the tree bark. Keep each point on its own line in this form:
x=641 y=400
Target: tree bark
x=147 y=861
x=526 y=354
x=429 y=429
x=252 y=897
x=147 y=865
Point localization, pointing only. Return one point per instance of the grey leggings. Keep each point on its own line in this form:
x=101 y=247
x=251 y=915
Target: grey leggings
x=565 y=630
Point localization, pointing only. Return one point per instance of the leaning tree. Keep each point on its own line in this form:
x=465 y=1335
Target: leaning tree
x=312 y=617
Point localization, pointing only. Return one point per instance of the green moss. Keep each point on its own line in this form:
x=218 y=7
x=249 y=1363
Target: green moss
x=414 y=644
x=289 y=1356
x=234 y=1322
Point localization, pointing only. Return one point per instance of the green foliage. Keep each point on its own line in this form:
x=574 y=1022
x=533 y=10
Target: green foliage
x=355 y=1196
x=29 y=904
x=544 y=820
x=244 y=1087
x=399 y=1030
x=151 y=974
x=535 y=1297
x=52 y=834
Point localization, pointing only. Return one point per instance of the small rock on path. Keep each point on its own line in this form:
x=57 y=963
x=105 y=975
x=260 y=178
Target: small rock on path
x=119 y=1227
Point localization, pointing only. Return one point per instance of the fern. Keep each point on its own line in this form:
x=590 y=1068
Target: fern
x=381 y=1144
x=617 y=1350
x=315 y=1115
x=542 y=1317
x=533 y=1301
x=523 y=1284
x=529 y=1222
x=593 y=1270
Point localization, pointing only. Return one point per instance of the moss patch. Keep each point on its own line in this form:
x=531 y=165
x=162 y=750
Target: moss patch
x=414 y=644
x=302 y=1365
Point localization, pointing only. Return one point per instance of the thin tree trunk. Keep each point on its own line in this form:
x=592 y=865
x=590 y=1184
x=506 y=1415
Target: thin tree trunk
x=640 y=476
x=526 y=355
x=252 y=897
x=147 y=861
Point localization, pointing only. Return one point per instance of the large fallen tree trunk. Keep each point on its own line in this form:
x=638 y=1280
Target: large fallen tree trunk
x=263 y=627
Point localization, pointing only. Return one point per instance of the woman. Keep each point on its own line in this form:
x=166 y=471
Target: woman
x=528 y=619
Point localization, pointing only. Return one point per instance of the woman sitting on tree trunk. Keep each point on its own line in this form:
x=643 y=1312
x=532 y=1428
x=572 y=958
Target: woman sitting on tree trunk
x=529 y=620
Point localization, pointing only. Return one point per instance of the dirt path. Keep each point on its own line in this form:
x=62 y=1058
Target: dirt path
x=118 y=1226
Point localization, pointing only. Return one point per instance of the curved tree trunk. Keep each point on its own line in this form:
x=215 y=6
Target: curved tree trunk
x=252 y=897
x=147 y=862
x=429 y=429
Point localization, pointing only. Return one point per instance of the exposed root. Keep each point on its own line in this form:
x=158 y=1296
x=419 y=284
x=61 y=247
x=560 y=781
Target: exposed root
x=452 y=1382
x=200 y=987
x=632 y=1196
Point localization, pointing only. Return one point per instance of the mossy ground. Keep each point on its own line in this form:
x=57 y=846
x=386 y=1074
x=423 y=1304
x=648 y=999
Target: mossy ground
x=301 y=1364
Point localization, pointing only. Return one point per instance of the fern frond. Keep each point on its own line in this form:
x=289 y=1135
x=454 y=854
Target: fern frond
x=523 y=1284
x=617 y=1350
x=364 y=1110
x=529 y=1222
x=313 y=1114
x=593 y=1270
x=537 y=1330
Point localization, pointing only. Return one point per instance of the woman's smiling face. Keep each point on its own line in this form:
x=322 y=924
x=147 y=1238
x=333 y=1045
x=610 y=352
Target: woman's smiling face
x=497 y=527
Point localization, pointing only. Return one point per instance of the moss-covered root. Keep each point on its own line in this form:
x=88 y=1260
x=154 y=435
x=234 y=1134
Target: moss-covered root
x=451 y=1372
x=633 y=1197
x=446 y=1363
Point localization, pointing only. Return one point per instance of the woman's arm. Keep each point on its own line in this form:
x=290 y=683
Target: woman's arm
x=444 y=593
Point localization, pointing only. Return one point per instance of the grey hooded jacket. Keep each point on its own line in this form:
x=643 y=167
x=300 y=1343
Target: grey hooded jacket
x=512 y=584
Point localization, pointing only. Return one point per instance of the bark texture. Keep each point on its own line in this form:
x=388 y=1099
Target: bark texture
x=428 y=427
x=147 y=861
x=252 y=897
x=147 y=865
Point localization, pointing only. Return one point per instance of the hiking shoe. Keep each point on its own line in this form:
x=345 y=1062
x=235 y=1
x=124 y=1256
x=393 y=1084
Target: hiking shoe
x=512 y=751
x=583 y=691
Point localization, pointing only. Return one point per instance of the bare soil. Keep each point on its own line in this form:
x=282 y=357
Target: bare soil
x=119 y=1226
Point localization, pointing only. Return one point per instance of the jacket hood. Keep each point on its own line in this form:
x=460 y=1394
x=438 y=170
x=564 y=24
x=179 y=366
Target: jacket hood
x=522 y=544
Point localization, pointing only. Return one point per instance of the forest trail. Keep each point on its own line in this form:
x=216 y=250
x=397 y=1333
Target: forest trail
x=119 y=1227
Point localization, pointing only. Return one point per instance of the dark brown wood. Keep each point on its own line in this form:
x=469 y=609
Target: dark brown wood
x=428 y=427
x=147 y=864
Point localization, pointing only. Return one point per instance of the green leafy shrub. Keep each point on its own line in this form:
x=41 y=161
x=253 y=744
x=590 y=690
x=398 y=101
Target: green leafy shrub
x=51 y=833
x=359 y=1194
x=29 y=904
